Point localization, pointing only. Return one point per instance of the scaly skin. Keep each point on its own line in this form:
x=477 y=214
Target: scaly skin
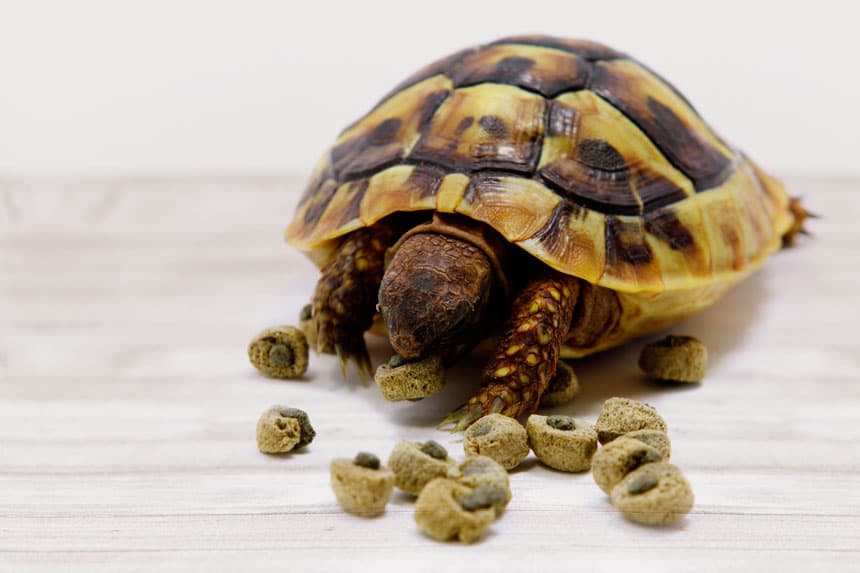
x=344 y=301
x=434 y=295
x=596 y=314
x=525 y=358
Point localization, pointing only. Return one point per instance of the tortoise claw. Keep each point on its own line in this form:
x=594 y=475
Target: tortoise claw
x=357 y=354
x=497 y=406
x=462 y=417
x=322 y=340
x=347 y=347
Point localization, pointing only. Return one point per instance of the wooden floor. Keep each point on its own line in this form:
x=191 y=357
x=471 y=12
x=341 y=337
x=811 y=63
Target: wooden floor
x=127 y=404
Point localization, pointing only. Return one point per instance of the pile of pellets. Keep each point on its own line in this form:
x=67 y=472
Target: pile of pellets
x=453 y=500
x=461 y=499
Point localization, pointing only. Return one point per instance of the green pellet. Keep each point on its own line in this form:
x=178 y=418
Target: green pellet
x=280 y=355
x=481 y=497
x=434 y=450
x=564 y=423
x=641 y=484
x=366 y=460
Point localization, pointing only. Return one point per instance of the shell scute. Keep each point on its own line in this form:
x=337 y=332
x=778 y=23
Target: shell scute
x=486 y=126
x=516 y=207
x=572 y=238
x=400 y=188
x=547 y=71
x=674 y=127
x=596 y=156
x=384 y=136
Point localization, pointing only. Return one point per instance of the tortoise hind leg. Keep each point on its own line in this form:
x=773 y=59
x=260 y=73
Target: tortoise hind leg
x=526 y=355
x=344 y=300
x=800 y=217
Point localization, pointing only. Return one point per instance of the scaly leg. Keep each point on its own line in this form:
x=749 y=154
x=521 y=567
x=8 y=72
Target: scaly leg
x=344 y=301
x=525 y=358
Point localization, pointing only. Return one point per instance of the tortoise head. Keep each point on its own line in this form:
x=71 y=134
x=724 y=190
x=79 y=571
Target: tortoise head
x=435 y=294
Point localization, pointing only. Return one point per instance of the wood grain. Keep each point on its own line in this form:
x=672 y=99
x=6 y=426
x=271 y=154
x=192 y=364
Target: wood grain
x=127 y=404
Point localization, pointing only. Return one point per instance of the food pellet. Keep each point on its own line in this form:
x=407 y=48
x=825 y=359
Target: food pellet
x=280 y=352
x=654 y=494
x=281 y=429
x=562 y=442
x=499 y=437
x=562 y=388
x=675 y=358
x=400 y=380
x=622 y=415
x=414 y=466
x=619 y=458
x=276 y=433
x=306 y=325
x=478 y=471
x=654 y=438
x=359 y=487
x=440 y=515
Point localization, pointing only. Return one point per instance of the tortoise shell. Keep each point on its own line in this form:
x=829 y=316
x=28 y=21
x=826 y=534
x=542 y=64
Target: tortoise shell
x=569 y=149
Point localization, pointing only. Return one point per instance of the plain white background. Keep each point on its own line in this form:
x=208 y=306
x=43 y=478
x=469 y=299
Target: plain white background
x=101 y=87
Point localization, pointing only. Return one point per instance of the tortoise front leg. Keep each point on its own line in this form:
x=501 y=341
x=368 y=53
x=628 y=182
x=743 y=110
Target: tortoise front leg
x=344 y=300
x=525 y=358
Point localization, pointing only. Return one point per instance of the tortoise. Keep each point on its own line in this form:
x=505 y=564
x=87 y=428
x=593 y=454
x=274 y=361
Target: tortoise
x=554 y=191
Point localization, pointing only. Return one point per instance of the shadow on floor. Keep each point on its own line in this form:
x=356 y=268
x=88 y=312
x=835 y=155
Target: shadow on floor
x=615 y=372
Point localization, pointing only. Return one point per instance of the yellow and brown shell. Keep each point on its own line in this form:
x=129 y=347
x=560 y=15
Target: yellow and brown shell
x=571 y=150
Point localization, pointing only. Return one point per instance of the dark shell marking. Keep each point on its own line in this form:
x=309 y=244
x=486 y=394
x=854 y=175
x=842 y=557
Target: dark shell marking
x=427 y=178
x=600 y=155
x=664 y=225
x=656 y=191
x=546 y=71
x=625 y=243
x=690 y=148
x=319 y=202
